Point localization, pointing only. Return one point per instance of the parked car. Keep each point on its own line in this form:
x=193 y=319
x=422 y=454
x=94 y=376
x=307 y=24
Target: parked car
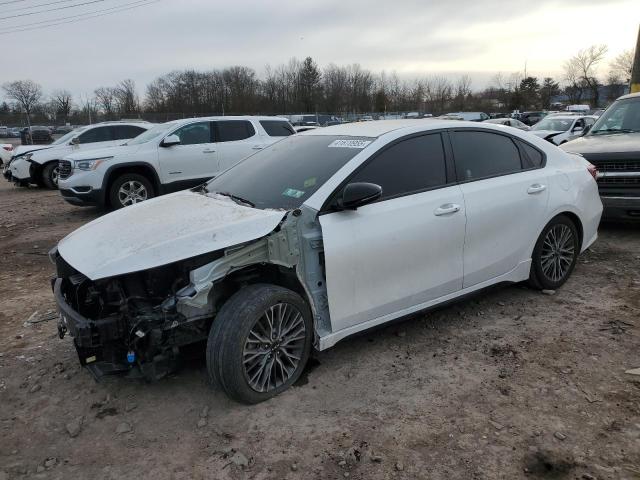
x=509 y=122
x=471 y=116
x=169 y=157
x=39 y=164
x=5 y=153
x=318 y=237
x=560 y=129
x=63 y=130
x=613 y=146
x=531 y=118
x=4 y=132
x=38 y=135
x=14 y=132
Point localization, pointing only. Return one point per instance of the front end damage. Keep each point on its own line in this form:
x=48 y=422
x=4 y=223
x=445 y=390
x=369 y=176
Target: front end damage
x=139 y=322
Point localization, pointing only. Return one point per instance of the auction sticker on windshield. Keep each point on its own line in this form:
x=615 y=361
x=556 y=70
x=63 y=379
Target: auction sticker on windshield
x=349 y=143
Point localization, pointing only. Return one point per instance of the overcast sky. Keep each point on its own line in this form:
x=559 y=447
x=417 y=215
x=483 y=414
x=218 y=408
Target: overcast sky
x=412 y=37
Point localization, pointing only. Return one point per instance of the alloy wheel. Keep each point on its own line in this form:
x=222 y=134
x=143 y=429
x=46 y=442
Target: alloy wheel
x=274 y=347
x=55 y=174
x=131 y=192
x=558 y=252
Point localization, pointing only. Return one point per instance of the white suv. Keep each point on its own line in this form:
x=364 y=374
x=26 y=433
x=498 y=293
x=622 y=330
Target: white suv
x=169 y=157
x=39 y=164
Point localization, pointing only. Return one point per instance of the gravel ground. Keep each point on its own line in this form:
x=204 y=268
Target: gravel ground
x=511 y=383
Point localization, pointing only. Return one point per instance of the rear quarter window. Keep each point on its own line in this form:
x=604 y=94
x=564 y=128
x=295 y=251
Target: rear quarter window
x=277 y=128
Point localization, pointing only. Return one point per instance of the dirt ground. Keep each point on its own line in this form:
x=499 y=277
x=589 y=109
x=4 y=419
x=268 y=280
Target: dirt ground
x=510 y=384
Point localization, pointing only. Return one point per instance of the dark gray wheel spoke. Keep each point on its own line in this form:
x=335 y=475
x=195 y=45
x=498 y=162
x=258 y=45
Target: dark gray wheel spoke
x=273 y=348
x=557 y=253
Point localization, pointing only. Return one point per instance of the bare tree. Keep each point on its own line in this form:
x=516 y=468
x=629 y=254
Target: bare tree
x=26 y=93
x=106 y=100
x=582 y=69
x=622 y=65
x=126 y=97
x=62 y=102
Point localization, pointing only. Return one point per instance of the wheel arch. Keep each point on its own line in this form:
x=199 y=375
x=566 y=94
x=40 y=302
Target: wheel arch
x=139 y=168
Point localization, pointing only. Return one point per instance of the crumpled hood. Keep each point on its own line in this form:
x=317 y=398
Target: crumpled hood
x=544 y=133
x=22 y=149
x=161 y=231
x=104 y=152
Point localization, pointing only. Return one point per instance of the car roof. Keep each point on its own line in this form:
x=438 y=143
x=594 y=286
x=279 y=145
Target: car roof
x=629 y=95
x=226 y=117
x=378 y=128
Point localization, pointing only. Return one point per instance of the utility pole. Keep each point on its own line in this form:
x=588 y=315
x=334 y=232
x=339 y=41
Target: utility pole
x=635 y=72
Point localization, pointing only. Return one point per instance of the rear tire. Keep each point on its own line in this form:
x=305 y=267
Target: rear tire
x=555 y=254
x=50 y=176
x=259 y=343
x=129 y=189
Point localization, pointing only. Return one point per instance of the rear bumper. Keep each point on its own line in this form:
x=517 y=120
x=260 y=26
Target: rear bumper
x=83 y=199
x=621 y=208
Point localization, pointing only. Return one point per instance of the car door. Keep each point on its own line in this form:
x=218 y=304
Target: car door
x=403 y=250
x=506 y=195
x=235 y=140
x=192 y=161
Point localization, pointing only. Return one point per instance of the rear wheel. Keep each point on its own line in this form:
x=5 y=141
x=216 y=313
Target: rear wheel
x=259 y=342
x=555 y=254
x=50 y=175
x=129 y=189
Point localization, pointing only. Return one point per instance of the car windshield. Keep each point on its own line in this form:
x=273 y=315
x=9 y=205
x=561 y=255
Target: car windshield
x=555 y=124
x=621 y=117
x=151 y=134
x=288 y=172
x=66 y=138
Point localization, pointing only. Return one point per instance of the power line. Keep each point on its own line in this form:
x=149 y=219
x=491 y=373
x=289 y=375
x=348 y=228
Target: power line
x=12 y=1
x=88 y=17
x=37 y=6
x=67 y=17
x=51 y=9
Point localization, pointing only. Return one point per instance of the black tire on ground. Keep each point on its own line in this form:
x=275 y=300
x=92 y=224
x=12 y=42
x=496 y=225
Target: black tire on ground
x=50 y=175
x=555 y=254
x=138 y=186
x=234 y=330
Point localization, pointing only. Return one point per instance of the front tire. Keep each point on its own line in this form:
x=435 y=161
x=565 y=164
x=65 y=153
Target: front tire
x=50 y=175
x=555 y=254
x=129 y=189
x=259 y=343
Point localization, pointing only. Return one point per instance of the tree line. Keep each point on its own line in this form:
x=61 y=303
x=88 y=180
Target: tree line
x=301 y=86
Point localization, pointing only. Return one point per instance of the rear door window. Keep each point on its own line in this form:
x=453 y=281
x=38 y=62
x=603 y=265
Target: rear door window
x=233 y=130
x=484 y=154
x=124 y=132
x=194 y=133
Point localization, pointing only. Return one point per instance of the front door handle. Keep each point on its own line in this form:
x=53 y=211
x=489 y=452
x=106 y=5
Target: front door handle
x=257 y=147
x=536 y=188
x=208 y=150
x=446 y=209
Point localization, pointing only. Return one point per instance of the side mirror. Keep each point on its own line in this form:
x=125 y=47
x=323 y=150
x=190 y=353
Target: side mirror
x=170 y=141
x=75 y=141
x=356 y=195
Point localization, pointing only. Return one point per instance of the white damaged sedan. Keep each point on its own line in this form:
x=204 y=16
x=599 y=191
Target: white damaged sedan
x=317 y=237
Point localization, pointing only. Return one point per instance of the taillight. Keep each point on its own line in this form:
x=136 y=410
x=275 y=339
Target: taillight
x=593 y=171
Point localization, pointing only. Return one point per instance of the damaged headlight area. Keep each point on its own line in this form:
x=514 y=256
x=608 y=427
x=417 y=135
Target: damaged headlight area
x=129 y=323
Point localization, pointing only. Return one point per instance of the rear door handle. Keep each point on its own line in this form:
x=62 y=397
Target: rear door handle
x=208 y=150
x=446 y=209
x=536 y=188
x=257 y=147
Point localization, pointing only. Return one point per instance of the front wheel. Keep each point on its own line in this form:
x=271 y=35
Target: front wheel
x=555 y=254
x=129 y=189
x=50 y=175
x=259 y=342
